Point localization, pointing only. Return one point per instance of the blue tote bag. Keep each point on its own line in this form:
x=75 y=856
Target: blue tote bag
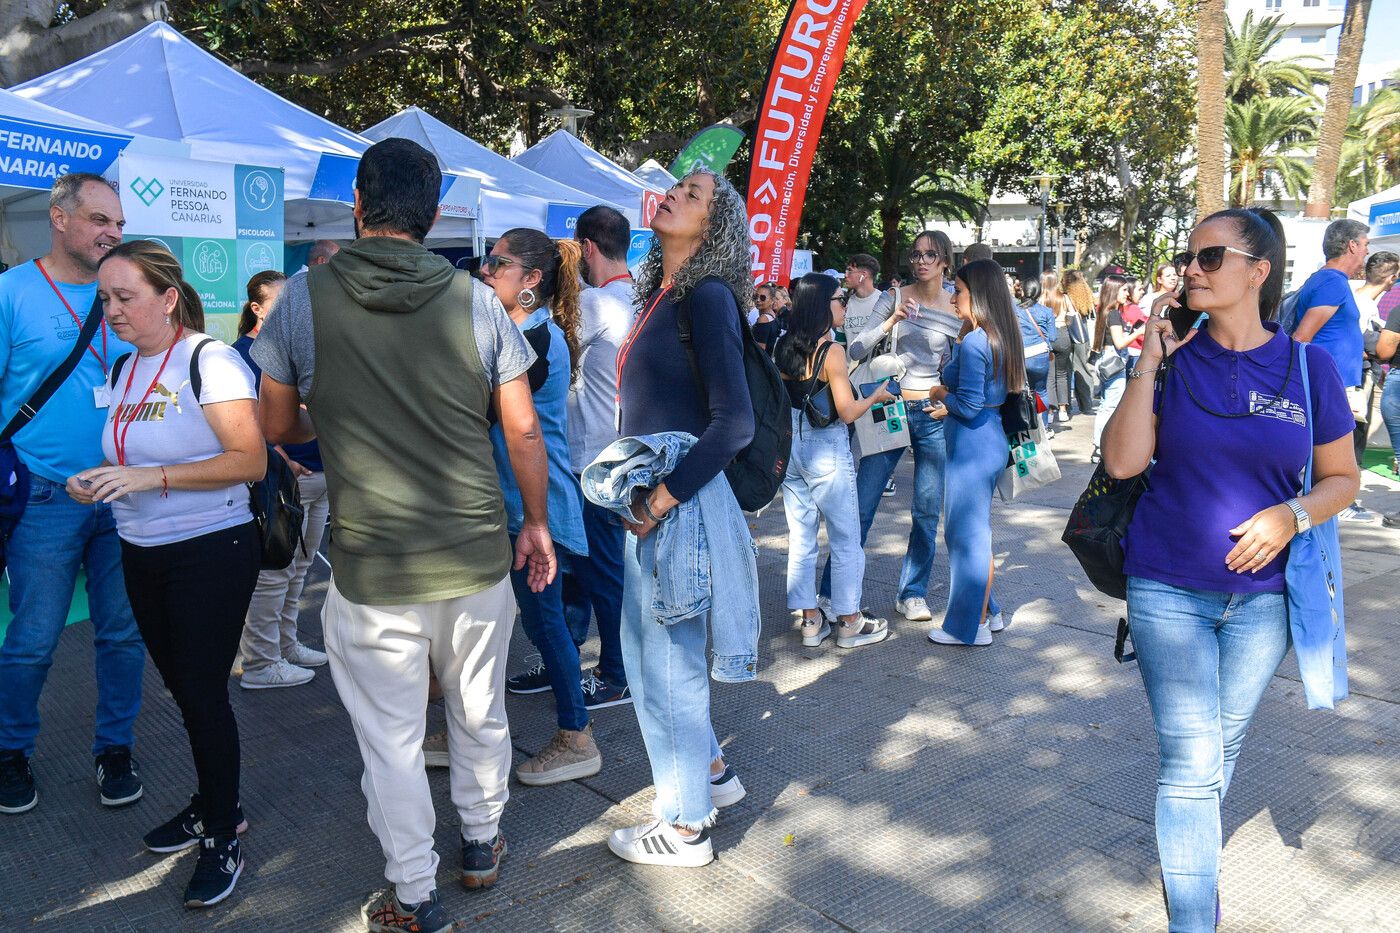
x=1313 y=576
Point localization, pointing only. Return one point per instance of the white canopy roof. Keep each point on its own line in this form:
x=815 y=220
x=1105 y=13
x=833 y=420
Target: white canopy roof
x=655 y=174
x=511 y=195
x=564 y=157
x=159 y=83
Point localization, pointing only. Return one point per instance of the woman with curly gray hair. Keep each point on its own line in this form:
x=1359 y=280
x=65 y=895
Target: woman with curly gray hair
x=700 y=259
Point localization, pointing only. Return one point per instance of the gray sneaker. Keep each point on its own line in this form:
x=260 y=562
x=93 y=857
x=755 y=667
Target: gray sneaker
x=568 y=756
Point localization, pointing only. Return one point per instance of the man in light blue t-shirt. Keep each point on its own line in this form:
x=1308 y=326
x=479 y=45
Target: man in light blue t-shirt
x=42 y=307
x=1329 y=317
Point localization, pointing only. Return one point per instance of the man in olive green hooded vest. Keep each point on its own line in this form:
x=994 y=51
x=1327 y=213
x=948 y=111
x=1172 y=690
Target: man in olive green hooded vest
x=402 y=363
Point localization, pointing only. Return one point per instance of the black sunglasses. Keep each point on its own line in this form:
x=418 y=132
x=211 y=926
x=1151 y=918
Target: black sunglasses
x=1209 y=258
x=489 y=264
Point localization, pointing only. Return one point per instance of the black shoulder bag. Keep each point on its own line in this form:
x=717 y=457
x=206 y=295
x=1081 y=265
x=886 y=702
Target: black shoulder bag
x=14 y=475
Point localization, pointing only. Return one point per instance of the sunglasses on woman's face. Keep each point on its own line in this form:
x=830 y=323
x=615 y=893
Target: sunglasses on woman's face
x=1209 y=258
x=490 y=264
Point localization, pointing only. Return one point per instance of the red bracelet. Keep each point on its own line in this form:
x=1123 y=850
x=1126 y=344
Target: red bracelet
x=164 y=485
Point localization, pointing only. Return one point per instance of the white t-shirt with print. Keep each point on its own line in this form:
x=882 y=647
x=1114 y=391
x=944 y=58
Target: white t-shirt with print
x=169 y=428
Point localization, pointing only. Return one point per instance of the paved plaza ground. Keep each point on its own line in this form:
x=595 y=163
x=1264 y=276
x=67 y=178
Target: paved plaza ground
x=898 y=787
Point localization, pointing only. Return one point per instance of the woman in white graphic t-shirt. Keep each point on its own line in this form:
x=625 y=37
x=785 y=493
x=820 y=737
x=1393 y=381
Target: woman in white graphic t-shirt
x=181 y=442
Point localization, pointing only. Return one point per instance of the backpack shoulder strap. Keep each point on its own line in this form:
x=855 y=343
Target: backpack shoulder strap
x=117 y=369
x=49 y=386
x=685 y=322
x=196 y=383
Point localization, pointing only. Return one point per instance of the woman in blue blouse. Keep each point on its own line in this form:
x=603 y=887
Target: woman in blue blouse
x=1228 y=436
x=537 y=281
x=988 y=363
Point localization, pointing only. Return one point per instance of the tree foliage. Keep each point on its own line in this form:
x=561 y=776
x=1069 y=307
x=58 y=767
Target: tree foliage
x=1252 y=70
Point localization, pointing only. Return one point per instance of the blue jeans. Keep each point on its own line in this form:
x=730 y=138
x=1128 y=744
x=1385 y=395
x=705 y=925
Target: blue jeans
x=821 y=484
x=1112 y=395
x=1038 y=375
x=976 y=457
x=1206 y=659
x=666 y=669
x=542 y=617
x=930 y=459
x=593 y=588
x=1390 y=407
x=54 y=538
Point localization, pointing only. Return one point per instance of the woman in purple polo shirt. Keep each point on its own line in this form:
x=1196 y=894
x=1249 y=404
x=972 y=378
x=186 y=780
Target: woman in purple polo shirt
x=1206 y=549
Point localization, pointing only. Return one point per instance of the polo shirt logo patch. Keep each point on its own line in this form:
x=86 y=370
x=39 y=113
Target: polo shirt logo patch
x=1282 y=409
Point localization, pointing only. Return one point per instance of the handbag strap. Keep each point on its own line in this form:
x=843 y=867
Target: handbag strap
x=1307 y=408
x=49 y=386
x=1031 y=317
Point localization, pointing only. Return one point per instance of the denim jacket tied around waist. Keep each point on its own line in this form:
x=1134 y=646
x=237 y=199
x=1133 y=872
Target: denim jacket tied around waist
x=679 y=556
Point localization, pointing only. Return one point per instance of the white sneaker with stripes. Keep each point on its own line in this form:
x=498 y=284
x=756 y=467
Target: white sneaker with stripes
x=658 y=843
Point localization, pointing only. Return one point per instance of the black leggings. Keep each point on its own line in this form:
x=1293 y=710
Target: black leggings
x=190 y=599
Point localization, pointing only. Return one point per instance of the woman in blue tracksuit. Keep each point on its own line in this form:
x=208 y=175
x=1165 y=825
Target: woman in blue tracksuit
x=1038 y=332
x=987 y=364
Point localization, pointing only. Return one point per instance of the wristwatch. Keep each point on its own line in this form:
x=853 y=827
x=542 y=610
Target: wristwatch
x=1300 y=514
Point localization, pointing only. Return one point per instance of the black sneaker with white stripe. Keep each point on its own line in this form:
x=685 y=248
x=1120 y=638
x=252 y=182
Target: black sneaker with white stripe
x=117 y=777
x=599 y=694
x=184 y=829
x=220 y=863
x=659 y=843
x=534 y=679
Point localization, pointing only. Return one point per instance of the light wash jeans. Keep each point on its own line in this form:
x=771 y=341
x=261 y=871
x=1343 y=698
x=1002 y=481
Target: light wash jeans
x=1206 y=659
x=1112 y=395
x=671 y=694
x=821 y=484
x=270 y=633
x=54 y=538
x=1390 y=407
x=930 y=461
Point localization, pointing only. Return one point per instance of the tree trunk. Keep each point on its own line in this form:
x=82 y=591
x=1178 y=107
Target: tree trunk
x=1210 y=107
x=891 y=218
x=1338 y=110
x=30 y=47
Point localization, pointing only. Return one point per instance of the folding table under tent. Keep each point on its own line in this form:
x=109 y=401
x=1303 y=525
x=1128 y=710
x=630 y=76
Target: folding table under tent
x=565 y=158
x=37 y=144
x=511 y=194
x=159 y=83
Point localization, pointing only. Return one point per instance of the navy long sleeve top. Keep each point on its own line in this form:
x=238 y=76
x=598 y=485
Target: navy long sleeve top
x=658 y=390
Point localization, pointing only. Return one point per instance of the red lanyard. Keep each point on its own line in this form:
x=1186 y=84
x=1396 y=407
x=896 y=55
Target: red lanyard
x=616 y=278
x=76 y=320
x=626 y=347
x=119 y=439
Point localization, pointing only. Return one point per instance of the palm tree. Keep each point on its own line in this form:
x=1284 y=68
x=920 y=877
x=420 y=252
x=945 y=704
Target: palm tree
x=1380 y=124
x=1263 y=134
x=1338 y=110
x=1250 y=72
x=1210 y=106
x=905 y=185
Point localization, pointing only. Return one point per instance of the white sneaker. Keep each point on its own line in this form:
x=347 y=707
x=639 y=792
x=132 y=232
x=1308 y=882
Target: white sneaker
x=940 y=637
x=281 y=673
x=435 y=751
x=304 y=656
x=658 y=843
x=915 y=610
x=725 y=790
x=997 y=622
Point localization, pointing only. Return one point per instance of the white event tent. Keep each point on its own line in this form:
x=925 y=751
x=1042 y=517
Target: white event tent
x=39 y=142
x=159 y=83
x=1380 y=211
x=511 y=194
x=655 y=174
x=564 y=157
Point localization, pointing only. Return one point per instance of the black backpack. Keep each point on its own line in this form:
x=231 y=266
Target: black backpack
x=757 y=472
x=275 y=500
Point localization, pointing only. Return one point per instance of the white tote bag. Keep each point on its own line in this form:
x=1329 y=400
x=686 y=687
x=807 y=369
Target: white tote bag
x=886 y=425
x=1032 y=466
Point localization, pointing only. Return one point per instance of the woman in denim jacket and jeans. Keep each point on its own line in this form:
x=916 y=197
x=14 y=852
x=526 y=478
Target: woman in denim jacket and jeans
x=1206 y=549
x=701 y=257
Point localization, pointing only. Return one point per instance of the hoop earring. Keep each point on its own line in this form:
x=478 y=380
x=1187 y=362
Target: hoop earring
x=527 y=298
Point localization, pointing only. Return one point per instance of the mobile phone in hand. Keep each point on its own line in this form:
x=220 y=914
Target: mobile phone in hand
x=868 y=389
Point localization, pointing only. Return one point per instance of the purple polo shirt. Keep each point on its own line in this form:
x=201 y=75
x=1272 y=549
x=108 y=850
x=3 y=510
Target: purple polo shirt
x=1213 y=473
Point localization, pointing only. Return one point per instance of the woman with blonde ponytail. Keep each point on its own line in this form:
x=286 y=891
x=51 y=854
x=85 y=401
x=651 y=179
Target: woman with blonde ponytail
x=536 y=279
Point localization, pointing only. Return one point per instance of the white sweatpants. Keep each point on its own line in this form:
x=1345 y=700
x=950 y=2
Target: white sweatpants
x=379 y=658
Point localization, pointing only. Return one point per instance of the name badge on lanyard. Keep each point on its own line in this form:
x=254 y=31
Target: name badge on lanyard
x=102 y=395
